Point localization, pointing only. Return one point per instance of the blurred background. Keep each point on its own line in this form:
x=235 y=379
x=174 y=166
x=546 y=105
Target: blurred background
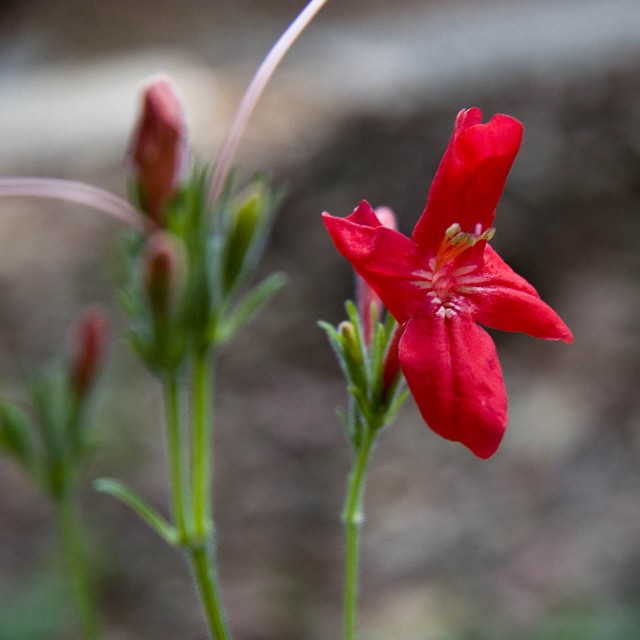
x=542 y=541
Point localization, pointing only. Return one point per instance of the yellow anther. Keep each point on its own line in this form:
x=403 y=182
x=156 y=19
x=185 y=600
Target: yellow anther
x=457 y=241
x=453 y=230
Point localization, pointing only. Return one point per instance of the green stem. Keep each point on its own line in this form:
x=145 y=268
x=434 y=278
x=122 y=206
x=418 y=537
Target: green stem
x=175 y=453
x=202 y=446
x=75 y=555
x=206 y=578
x=352 y=518
x=201 y=542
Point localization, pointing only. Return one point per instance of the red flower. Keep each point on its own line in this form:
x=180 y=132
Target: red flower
x=444 y=279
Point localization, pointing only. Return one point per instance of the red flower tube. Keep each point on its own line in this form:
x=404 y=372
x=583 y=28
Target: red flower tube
x=445 y=279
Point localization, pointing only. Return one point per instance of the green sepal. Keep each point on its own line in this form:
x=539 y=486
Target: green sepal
x=354 y=318
x=16 y=435
x=60 y=420
x=372 y=405
x=140 y=507
x=246 y=221
x=348 y=353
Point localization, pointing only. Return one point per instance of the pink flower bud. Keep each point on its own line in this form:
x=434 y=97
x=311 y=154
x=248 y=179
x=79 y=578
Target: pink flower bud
x=158 y=150
x=162 y=272
x=89 y=346
x=365 y=295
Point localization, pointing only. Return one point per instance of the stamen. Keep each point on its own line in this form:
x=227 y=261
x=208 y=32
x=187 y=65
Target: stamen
x=457 y=241
x=453 y=230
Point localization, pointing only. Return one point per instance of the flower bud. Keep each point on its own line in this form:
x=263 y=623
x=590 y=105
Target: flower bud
x=247 y=221
x=391 y=368
x=348 y=333
x=162 y=272
x=158 y=150
x=365 y=295
x=89 y=346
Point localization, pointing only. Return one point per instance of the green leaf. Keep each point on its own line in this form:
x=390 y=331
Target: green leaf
x=146 y=512
x=252 y=302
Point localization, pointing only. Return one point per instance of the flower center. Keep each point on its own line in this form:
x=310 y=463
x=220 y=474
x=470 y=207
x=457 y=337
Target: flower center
x=446 y=284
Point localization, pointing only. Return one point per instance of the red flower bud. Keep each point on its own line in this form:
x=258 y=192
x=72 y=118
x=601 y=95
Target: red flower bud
x=161 y=272
x=392 y=360
x=89 y=346
x=365 y=295
x=158 y=146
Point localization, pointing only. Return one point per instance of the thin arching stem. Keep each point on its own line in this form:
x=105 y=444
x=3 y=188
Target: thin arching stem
x=253 y=93
x=73 y=191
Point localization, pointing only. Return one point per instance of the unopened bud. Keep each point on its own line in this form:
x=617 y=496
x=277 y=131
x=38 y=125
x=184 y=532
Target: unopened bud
x=365 y=295
x=162 y=272
x=158 y=147
x=348 y=333
x=246 y=222
x=89 y=346
x=392 y=359
x=387 y=217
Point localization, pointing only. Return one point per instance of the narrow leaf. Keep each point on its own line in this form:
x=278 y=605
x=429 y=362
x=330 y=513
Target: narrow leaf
x=252 y=302
x=147 y=513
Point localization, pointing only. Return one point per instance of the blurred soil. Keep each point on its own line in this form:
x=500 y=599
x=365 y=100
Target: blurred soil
x=452 y=545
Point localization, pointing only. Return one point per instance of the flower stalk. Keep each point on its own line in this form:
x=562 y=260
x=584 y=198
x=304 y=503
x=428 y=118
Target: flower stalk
x=72 y=541
x=191 y=504
x=179 y=498
x=202 y=447
x=365 y=349
x=204 y=566
x=353 y=519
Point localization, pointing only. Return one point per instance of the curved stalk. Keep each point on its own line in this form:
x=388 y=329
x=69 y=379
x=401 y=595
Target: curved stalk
x=254 y=92
x=73 y=191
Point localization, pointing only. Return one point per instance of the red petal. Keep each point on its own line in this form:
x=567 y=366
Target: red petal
x=383 y=257
x=506 y=301
x=470 y=178
x=452 y=370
